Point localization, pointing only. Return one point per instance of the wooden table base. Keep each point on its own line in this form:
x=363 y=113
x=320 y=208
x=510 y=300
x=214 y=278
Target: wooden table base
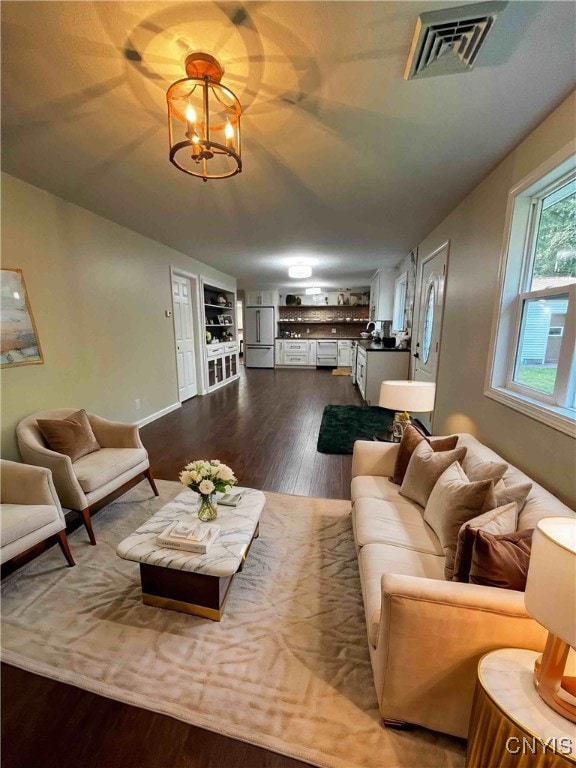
x=188 y=592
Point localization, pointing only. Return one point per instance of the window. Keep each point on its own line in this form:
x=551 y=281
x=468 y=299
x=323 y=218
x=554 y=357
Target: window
x=534 y=341
x=398 y=318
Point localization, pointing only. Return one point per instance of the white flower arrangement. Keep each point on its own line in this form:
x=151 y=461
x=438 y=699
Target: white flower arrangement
x=207 y=477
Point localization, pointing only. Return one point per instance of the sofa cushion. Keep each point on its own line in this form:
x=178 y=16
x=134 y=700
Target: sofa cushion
x=400 y=524
x=410 y=439
x=18 y=520
x=454 y=500
x=97 y=469
x=496 y=521
x=374 y=560
x=375 y=487
x=501 y=561
x=72 y=436
x=424 y=469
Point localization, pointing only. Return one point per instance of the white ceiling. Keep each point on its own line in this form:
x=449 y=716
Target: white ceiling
x=344 y=161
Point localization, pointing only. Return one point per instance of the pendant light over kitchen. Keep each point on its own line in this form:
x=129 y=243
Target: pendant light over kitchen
x=204 y=121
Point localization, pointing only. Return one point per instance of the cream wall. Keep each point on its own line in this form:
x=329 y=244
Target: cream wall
x=99 y=293
x=475 y=230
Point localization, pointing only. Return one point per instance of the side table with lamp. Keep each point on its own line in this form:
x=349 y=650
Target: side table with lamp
x=406 y=397
x=524 y=713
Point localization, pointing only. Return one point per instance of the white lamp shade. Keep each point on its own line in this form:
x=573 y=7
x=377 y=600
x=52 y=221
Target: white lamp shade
x=551 y=585
x=415 y=396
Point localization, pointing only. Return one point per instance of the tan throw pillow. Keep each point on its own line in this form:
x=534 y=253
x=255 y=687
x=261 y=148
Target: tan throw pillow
x=486 y=470
x=453 y=501
x=501 y=561
x=506 y=494
x=496 y=521
x=424 y=469
x=72 y=436
x=410 y=439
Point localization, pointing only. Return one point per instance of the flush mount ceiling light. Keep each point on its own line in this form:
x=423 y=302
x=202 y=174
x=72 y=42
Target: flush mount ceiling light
x=299 y=271
x=204 y=121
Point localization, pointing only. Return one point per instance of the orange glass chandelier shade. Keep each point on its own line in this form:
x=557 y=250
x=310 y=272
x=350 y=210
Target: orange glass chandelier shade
x=204 y=121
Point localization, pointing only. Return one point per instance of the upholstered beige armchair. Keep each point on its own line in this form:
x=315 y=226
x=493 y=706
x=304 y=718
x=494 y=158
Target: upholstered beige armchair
x=29 y=510
x=80 y=484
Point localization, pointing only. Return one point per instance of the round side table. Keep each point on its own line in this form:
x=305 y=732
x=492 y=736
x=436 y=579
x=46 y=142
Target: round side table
x=511 y=726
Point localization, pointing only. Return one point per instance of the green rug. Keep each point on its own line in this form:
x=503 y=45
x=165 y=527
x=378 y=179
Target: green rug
x=343 y=424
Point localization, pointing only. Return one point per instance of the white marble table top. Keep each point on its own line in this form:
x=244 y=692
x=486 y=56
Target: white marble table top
x=507 y=677
x=237 y=526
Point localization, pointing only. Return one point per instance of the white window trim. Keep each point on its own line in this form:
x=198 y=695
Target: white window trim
x=401 y=280
x=519 y=213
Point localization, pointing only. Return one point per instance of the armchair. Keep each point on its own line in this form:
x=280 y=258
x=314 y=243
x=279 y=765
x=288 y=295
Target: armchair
x=82 y=483
x=29 y=510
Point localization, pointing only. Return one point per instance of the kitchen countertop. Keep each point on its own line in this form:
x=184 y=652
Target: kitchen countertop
x=374 y=346
x=367 y=344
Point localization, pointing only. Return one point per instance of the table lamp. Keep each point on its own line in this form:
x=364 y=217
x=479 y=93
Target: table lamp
x=404 y=397
x=551 y=599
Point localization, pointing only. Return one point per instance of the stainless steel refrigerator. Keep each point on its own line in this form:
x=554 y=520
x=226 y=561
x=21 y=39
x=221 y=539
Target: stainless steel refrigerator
x=259 y=333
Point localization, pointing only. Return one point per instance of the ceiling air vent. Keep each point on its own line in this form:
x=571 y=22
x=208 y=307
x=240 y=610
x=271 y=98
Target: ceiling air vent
x=449 y=41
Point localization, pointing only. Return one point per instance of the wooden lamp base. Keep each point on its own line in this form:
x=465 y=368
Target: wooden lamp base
x=557 y=690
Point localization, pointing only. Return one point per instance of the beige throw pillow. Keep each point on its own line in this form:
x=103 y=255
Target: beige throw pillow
x=72 y=436
x=424 y=469
x=497 y=522
x=454 y=500
x=506 y=494
x=486 y=470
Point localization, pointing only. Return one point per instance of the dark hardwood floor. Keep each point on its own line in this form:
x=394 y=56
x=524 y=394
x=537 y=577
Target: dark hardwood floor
x=265 y=427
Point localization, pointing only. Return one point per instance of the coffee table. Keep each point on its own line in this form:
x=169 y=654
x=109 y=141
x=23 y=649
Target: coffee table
x=189 y=582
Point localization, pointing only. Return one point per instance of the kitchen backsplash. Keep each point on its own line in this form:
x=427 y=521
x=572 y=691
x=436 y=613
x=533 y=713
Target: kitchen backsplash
x=344 y=330
x=332 y=314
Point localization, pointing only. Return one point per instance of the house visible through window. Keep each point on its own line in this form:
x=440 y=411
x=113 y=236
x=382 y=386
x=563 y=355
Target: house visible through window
x=534 y=364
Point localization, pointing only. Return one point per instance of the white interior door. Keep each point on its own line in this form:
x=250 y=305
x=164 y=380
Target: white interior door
x=184 y=330
x=430 y=313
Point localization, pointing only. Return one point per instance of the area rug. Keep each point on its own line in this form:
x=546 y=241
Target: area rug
x=341 y=372
x=342 y=425
x=287 y=668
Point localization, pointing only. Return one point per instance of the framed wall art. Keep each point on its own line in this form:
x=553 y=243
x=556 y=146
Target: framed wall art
x=19 y=342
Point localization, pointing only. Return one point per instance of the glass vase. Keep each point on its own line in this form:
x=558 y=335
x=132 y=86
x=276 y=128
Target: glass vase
x=208 y=509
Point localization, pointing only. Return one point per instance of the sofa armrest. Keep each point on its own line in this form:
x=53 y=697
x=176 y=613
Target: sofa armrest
x=25 y=484
x=432 y=634
x=374 y=458
x=67 y=486
x=115 y=434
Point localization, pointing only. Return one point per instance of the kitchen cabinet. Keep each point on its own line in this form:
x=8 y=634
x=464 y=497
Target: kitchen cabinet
x=382 y=295
x=261 y=298
x=344 y=353
x=221 y=364
x=297 y=352
x=372 y=368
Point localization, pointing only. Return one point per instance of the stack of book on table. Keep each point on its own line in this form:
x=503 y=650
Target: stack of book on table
x=190 y=536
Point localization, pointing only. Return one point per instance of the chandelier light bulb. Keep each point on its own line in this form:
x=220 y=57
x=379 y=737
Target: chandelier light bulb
x=190 y=114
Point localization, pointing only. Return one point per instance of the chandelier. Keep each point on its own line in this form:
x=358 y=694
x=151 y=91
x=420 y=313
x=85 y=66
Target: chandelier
x=204 y=121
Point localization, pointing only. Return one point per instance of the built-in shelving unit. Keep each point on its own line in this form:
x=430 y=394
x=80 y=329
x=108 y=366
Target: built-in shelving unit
x=344 y=320
x=221 y=336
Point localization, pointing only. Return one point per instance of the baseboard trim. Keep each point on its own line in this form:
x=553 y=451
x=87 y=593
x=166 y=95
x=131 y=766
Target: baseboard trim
x=158 y=414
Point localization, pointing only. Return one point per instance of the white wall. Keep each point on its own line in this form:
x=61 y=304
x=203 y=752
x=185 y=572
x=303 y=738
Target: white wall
x=475 y=230
x=99 y=293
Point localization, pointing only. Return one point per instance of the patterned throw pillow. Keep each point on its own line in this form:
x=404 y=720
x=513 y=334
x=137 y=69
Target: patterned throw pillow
x=410 y=439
